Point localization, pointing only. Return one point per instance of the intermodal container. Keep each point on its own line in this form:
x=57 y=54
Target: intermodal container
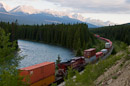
x=89 y=52
x=107 y=45
x=44 y=82
x=104 y=51
x=99 y=54
x=38 y=71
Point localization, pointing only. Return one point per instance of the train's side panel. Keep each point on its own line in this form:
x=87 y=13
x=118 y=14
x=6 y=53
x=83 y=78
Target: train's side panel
x=45 y=81
x=37 y=72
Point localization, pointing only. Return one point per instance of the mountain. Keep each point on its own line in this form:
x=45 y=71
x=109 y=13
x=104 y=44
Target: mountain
x=41 y=18
x=128 y=23
x=19 y=10
x=2 y=9
x=29 y=15
x=96 y=22
x=99 y=22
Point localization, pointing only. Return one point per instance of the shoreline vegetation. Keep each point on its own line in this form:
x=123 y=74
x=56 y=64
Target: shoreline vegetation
x=76 y=37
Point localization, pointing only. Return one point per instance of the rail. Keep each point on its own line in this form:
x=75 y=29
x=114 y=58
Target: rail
x=104 y=57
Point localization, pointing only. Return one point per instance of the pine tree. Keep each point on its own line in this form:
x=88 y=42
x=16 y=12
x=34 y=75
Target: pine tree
x=58 y=61
x=9 y=75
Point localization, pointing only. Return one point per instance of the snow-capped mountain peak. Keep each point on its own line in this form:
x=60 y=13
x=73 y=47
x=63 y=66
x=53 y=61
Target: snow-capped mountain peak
x=4 y=6
x=2 y=9
x=25 y=9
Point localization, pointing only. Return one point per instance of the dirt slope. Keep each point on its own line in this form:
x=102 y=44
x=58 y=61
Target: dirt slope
x=117 y=75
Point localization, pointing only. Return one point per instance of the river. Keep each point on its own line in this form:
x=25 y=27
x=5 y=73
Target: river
x=35 y=52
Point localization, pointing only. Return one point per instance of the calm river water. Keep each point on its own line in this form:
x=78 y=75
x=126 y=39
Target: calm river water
x=35 y=53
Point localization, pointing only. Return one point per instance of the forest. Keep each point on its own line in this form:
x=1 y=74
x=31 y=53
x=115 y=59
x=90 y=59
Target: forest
x=72 y=36
x=117 y=32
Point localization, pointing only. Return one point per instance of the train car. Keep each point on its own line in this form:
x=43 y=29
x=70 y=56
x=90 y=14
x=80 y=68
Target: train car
x=45 y=82
x=43 y=74
x=63 y=67
x=75 y=63
x=89 y=52
x=104 y=51
x=38 y=72
x=90 y=55
x=107 y=45
x=99 y=55
x=92 y=59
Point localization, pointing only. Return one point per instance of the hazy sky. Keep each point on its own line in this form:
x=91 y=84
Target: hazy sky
x=117 y=11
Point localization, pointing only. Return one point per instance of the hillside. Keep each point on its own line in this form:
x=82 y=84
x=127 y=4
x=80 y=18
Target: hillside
x=117 y=32
x=106 y=72
x=118 y=74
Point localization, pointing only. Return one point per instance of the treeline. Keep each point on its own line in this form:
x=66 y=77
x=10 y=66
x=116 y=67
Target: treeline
x=10 y=28
x=117 y=32
x=71 y=36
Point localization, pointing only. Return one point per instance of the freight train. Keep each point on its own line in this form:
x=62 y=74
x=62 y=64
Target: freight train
x=44 y=74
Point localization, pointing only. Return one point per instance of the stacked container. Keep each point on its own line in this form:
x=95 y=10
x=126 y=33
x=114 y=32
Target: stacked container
x=107 y=45
x=90 y=55
x=38 y=73
x=45 y=82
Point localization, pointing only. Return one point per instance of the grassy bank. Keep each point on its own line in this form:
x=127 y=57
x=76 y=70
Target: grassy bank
x=93 y=71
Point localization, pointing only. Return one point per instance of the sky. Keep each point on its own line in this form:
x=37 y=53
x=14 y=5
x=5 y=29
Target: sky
x=117 y=11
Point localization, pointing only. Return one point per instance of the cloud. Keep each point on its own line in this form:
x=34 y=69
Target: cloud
x=100 y=6
x=128 y=1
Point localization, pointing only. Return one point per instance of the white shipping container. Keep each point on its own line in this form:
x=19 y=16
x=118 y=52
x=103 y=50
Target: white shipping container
x=91 y=59
x=104 y=51
x=107 y=45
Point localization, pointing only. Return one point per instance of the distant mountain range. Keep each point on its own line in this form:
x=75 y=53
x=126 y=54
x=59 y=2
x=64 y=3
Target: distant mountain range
x=29 y=15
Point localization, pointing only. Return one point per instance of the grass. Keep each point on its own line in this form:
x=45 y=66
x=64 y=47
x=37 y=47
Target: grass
x=93 y=71
x=114 y=77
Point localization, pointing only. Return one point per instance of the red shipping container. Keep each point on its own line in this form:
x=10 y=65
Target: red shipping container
x=99 y=54
x=89 y=53
x=38 y=71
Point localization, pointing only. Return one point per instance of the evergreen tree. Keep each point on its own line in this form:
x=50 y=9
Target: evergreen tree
x=79 y=52
x=9 y=75
x=58 y=61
